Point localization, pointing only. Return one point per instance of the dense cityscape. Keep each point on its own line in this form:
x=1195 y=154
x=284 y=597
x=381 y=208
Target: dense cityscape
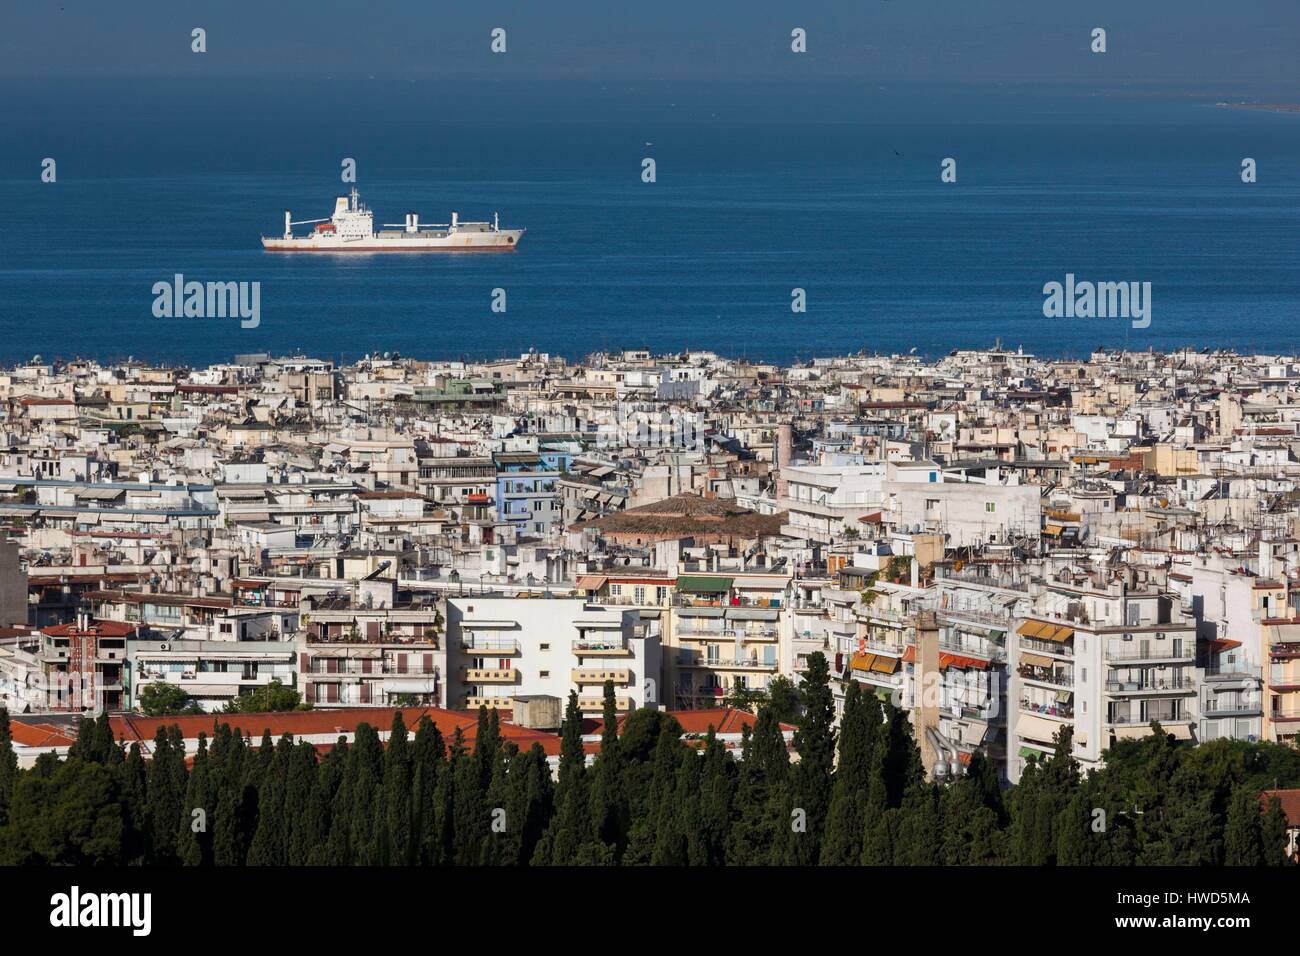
x=672 y=609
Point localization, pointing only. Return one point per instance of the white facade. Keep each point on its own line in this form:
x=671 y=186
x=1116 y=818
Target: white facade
x=499 y=648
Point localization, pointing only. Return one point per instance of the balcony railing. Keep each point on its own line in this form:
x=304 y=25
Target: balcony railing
x=1221 y=705
x=688 y=660
x=1044 y=676
x=485 y=675
x=348 y=668
x=1046 y=647
x=1157 y=684
x=1049 y=710
x=601 y=648
x=1150 y=651
x=1129 y=720
x=492 y=645
x=599 y=676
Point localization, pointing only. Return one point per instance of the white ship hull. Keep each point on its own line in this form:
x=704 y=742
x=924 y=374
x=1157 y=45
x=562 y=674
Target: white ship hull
x=352 y=229
x=503 y=241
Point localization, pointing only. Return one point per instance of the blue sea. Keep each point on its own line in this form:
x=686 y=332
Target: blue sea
x=758 y=192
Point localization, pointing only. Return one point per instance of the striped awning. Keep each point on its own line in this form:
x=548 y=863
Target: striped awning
x=884 y=664
x=1043 y=631
x=862 y=662
x=1037 y=728
x=960 y=660
x=1036 y=660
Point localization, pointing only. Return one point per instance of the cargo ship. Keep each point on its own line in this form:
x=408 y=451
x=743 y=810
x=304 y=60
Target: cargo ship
x=352 y=229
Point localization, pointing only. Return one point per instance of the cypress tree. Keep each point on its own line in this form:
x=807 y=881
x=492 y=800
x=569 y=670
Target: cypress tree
x=194 y=839
x=571 y=822
x=659 y=790
x=717 y=795
x=165 y=771
x=428 y=762
x=302 y=816
x=132 y=776
x=270 y=843
x=397 y=782
x=846 y=818
x=815 y=742
x=1273 y=833
x=608 y=799
x=229 y=838
x=1243 y=837
x=8 y=766
x=762 y=832
x=367 y=758
x=338 y=773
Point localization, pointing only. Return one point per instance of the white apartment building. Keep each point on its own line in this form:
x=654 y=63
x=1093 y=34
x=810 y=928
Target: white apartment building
x=1106 y=653
x=211 y=672
x=499 y=648
x=967 y=514
x=823 y=499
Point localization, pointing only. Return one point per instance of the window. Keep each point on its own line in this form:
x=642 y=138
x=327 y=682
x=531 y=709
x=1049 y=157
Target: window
x=616 y=589
x=638 y=595
x=544 y=674
x=543 y=647
x=990 y=506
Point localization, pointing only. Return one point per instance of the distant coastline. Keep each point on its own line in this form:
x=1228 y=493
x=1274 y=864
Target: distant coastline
x=1270 y=107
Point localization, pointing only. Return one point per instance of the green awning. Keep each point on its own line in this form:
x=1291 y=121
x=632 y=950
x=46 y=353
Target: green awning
x=1028 y=752
x=883 y=694
x=700 y=584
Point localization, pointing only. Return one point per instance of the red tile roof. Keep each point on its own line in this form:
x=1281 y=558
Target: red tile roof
x=1290 y=800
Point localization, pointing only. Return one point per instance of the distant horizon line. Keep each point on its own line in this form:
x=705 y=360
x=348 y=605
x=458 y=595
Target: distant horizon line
x=396 y=356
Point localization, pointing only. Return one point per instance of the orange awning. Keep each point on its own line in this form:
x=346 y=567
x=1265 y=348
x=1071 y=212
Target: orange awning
x=862 y=662
x=885 y=664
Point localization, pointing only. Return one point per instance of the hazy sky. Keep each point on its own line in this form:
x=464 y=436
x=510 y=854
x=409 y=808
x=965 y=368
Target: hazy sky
x=1203 y=46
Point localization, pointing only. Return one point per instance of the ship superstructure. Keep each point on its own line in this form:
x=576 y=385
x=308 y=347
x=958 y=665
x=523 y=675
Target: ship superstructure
x=352 y=229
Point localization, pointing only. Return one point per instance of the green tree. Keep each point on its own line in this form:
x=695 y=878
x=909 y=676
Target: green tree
x=166 y=700
x=273 y=697
x=1243 y=837
x=571 y=823
x=8 y=766
x=194 y=840
x=1273 y=833
x=815 y=742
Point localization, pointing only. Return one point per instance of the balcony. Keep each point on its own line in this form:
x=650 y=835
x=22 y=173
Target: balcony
x=1061 y=711
x=490 y=645
x=1160 y=685
x=987 y=650
x=725 y=663
x=1229 y=705
x=1232 y=672
x=1045 y=675
x=703 y=633
x=1145 y=650
x=1133 y=720
x=1060 y=649
x=491 y=703
x=590 y=704
x=598 y=647
x=491 y=675
x=583 y=675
